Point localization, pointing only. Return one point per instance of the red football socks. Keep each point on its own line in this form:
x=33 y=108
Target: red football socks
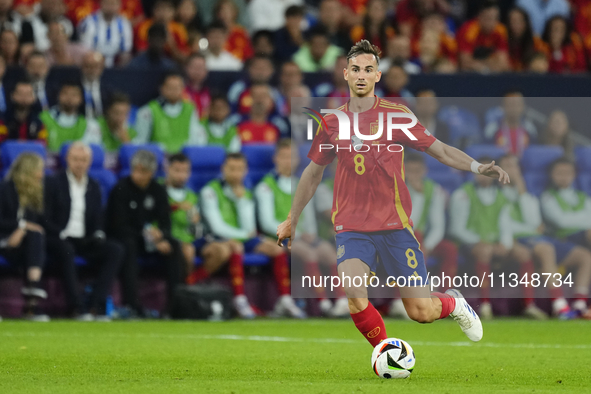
x=281 y=272
x=448 y=304
x=236 y=268
x=370 y=324
x=196 y=276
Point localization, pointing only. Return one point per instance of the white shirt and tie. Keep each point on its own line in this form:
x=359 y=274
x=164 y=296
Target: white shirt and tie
x=76 y=227
x=92 y=98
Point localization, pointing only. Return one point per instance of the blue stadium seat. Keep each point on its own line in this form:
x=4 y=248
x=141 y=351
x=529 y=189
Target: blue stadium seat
x=303 y=150
x=477 y=151
x=128 y=150
x=10 y=150
x=205 y=164
x=98 y=156
x=539 y=157
x=106 y=180
x=449 y=181
x=260 y=160
x=132 y=115
x=584 y=183
x=434 y=165
x=583 y=155
x=536 y=182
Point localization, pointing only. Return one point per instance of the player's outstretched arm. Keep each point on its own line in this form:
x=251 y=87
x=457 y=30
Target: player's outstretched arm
x=309 y=181
x=457 y=159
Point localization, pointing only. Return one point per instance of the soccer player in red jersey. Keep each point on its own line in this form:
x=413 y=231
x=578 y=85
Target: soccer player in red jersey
x=371 y=204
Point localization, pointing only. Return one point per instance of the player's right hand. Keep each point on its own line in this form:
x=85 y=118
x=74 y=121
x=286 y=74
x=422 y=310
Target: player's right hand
x=493 y=171
x=284 y=232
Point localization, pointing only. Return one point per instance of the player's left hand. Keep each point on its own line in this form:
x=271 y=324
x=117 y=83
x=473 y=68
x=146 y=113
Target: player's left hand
x=493 y=171
x=284 y=232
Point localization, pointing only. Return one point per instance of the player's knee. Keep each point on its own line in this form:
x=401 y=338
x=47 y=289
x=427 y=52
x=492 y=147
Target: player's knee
x=543 y=249
x=482 y=253
x=357 y=305
x=420 y=314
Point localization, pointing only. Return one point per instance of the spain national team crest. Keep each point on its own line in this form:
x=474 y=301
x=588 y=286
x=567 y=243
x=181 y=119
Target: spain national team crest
x=340 y=251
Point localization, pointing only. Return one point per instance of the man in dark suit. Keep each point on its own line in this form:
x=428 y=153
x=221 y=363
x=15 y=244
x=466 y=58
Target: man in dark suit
x=74 y=226
x=96 y=93
x=138 y=215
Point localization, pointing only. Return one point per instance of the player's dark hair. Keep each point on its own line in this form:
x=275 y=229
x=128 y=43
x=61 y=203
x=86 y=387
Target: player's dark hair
x=294 y=10
x=283 y=143
x=217 y=25
x=413 y=157
x=118 y=98
x=317 y=31
x=71 y=84
x=362 y=47
x=157 y=30
x=268 y=34
x=560 y=160
x=488 y=4
x=259 y=56
x=219 y=97
x=178 y=158
x=235 y=156
x=171 y=74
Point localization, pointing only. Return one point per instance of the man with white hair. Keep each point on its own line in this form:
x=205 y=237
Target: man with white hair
x=74 y=226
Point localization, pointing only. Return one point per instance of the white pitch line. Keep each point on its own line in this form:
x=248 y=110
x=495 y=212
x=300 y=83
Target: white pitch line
x=262 y=338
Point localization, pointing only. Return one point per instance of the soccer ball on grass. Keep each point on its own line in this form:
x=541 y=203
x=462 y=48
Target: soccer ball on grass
x=393 y=358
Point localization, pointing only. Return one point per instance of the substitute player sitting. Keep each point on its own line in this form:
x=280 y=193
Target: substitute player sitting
x=273 y=196
x=480 y=219
x=528 y=229
x=372 y=206
x=229 y=211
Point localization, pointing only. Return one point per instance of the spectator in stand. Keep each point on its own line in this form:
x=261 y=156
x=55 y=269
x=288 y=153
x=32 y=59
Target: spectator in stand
x=428 y=52
x=395 y=81
x=229 y=211
x=61 y=51
x=65 y=124
x=410 y=13
x=445 y=66
x=376 y=26
x=10 y=48
x=257 y=128
x=482 y=42
x=528 y=229
x=74 y=223
x=480 y=219
x=426 y=109
x=238 y=42
x=290 y=38
x=11 y=20
x=154 y=57
x=565 y=47
x=318 y=54
x=115 y=129
x=49 y=11
x=220 y=129
x=541 y=11
x=269 y=14
x=298 y=121
x=176 y=37
x=195 y=90
x=216 y=57
x=37 y=69
x=109 y=33
x=96 y=93
x=21 y=121
x=169 y=120
x=330 y=17
x=581 y=11
x=290 y=76
x=398 y=49
x=260 y=69
x=138 y=216
x=3 y=96
x=22 y=239
x=434 y=27
x=513 y=132
x=557 y=133
x=538 y=63
x=206 y=12
x=338 y=88
x=522 y=42
x=262 y=43
x=186 y=15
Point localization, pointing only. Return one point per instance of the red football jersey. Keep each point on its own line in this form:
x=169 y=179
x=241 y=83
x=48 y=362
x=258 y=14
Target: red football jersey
x=369 y=189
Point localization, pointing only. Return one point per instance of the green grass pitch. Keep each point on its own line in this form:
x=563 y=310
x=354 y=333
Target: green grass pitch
x=286 y=356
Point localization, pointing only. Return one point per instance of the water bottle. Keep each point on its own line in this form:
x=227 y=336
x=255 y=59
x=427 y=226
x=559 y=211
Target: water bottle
x=148 y=238
x=196 y=229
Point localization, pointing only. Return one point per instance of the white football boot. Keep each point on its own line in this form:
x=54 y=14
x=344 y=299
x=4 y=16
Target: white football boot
x=285 y=306
x=243 y=308
x=465 y=316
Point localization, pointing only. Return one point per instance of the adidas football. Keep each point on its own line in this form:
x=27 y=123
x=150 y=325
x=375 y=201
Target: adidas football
x=393 y=358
